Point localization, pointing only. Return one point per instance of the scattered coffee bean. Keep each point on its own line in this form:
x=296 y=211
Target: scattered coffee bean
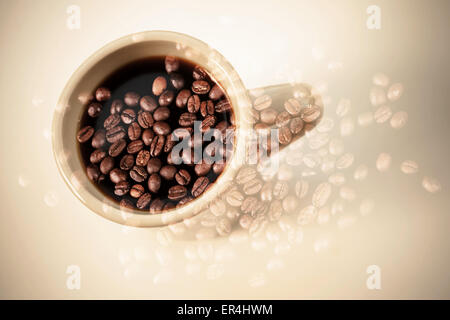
x=177 y=80
x=166 y=98
x=161 y=114
x=97 y=156
x=157 y=145
x=171 y=63
x=138 y=173
x=168 y=172
x=198 y=73
x=202 y=169
x=137 y=190
x=134 y=131
x=199 y=186
x=177 y=192
x=99 y=139
x=85 y=134
x=148 y=103
x=147 y=136
x=193 y=103
x=115 y=134
x=216 y=92
x=93 y=172
x=116 y=107
x=127 y=162
x=94 y=109
x=145 y=119
x=117 y=147
x=200 y=87
x=182 y=98
x=131 y=99
x=296 y=125
x=187 y=119
x=223 y=105
x=135 y=146
x=154 y=165
x=159 y=85
x=107 y=165
x=116 y=175
x=122 y=188
x=183 y=177
x=207 y=108
x=142 y=158
x=112 y=121
x=144 y=201
x=102 y=94
x=154 y=182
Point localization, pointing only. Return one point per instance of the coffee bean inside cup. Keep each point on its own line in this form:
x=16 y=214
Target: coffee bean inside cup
x=137 y=136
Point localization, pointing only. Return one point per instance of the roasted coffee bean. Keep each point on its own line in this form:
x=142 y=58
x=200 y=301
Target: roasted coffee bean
x=168 y=206
x=168 y=172
x=112 y=121
x=154 y=165
x=161 y=128
x=99 y=139
x=93 y=172
x=161 y=114
x=107 y=165
x=177 y=80
x=148 y=103
x=154 y=182
x=85 y=134
x=280 y=190
x=262 y=102
x=184 y=201
x=138 y=173
x=94 y=109
x=156 y=206
x=102 y=94
x=268 y=116
x=144 y=201
x=171 y=63
x=116 y=107
x=157 y=145
x=223 y=105
x=147 y=136
x=117 y=147
x=199 y=186
x=207 y=123
x=216 y=92
x=166 y=98
x=193 y=103
x=284 y=135
x=182 y=98
x=116 y=175
x=275 y=210
x=218 y=167
x=135 y=146
x=245 y=175
x=252 y=187
x=159 y=85
x=296 y=125
x=121 y=188
x=206 y=108
x=142 y=158
x=145 y=119
x=137 y=190
x=128 y=116
x=169 y=144
x=177 y=192
x=97 y=156
x=199 y=73
x=200 y=87
x=202 y=169
x=183 y=177
x=262 y=128
x=131 y=99
x=283 y=119
x=187 y=119
x=310 y=114
x=292 y=106
x=134 y=131
x=249 y=204
x=127 y=162
x=115 y=134
x=126 y=204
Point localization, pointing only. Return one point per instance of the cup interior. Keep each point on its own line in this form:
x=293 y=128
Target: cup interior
x=80 y=88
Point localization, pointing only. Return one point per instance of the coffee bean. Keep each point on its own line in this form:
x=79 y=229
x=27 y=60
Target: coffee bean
x=284 y=135
x=131 y=99
x=115 y=134
x=85 y=134
x=116 y=107
x=218 y=167
x=296 y=125
x=248 y=205
x=280 y=190
x=99 y=139
x=142 y=158
x=262 y=102
x=159 y=85
x=169 y=144
x=156 y=206
x=121 y=188
x=128 y=116
x=168 y=206
x=116 y=175
x=245 y=221
x=216 y=92
x=97 y=156
x=112 y=121
x=171 y=63
x=166 y=98
x=275 y=210
x=153 y=165
x=157 y=145
x=161 y=128
x=183 y=177
x=266 y=191
x=177 y=192
x=223 y=106
x=147 y=136
x=134 y=131
x=161 y=114
x=102 y=94
x=200 y=87
x=144 y=201
x=283 y=119
x=107 y=165
x=252 y=187
x=199 y=73
x=168 y=172
x=135 y=146
x=126 y=204
x=245 y=175
x=137 y=190
x=206 y=108
x=93 y=172
x=268 y=116
x=193 y=103
x=199 y=186
x=127 y=162
x=117 y=147
x=207 y=123
x=258 y=226
x=292 y=106
x=148 y=103
x=310 y=114
x=94 y=109
x=145 y=119
x=138 y=173
x=177 y=80
x=182 y=98
x=202 y=169
x=187 y=119
x=154 y=182
x=184 y=201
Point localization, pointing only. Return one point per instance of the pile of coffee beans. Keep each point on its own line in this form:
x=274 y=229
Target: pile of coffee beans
x=137 y=117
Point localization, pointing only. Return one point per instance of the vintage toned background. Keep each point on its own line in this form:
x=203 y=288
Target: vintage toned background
x=388 y=219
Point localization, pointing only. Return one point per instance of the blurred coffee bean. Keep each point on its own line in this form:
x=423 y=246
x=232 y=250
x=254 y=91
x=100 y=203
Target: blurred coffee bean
x=94 y=109
x=177 y=80
x=137 y=190
x=168 y=172
x=166 y=98
x=93 y=172
x=161 y=114
x=121 y=188
x=199 y=73
x=171 y=63
x=99 y=139
x=216 y=92
x=182 y=98
x=142 y=158
x=116 y=107
x=112 y=121
x=262 y=102
x=148 y=103
x=97 y=156
x=144 y=201
x=131 y=99
x=154 y=182
x=183 y=177
x=292 y=106
x=159 y=85
x=147 y=136
x=102 y=94
x=154 y=165
x=116 y=175
x=107 y=165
